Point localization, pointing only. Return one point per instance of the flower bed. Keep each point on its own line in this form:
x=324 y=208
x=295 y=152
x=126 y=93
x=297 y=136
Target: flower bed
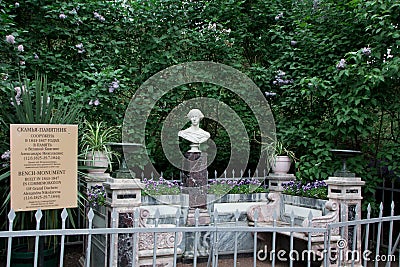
x=215 y=187
x=316 y=189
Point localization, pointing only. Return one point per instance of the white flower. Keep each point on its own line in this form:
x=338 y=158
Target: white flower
x=63 y=16
x=10 y=39
x=21 y=48
x=6 y=155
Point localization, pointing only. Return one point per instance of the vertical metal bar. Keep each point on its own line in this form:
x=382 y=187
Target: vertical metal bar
x=255 y=240
x=64 y=215
x=89 y=245
x=156 y=219
x=38 y=216
x=390 y=232
x=355 y=252
x=342 y=219
x=378 y=236
x=327 y=246
x=274 y=218
x=392 y=192
x=215 y=240
x=178 y=215
x=309 y=250
x=237 y=214
x=291 y=240
x=367 y=234
x=114 y=215
x=196 y=236
x=11 y=217
x=136 y=215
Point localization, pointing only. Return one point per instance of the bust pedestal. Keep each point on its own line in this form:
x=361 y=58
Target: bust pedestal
x=195 y=183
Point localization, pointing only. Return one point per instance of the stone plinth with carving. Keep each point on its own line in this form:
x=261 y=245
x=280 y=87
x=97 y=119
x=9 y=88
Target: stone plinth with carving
x=145 y=242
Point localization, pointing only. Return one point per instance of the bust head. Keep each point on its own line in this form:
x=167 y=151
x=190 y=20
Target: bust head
x=195 y=115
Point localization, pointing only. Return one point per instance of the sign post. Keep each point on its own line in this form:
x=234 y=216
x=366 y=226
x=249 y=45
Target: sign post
x=43 y=166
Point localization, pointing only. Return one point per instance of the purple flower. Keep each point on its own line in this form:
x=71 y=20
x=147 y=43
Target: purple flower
x=96 y=102
x=35 y=56
x=293 y=43
x=21 y=48
x=63 y=16
x=10 y=39
x=113 y=85
x=98 y=16
x=341 y=65
x=366 y=51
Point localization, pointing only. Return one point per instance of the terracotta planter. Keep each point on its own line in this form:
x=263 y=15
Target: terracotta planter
x=281 y=165
x=98 y=160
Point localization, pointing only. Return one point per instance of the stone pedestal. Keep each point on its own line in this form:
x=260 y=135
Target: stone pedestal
x=275 y=181
x=123 y=197
x=195 y=185
x=346 y=191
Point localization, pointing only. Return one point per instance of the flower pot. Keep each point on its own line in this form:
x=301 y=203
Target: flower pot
x=281 y=165
x=98 y=160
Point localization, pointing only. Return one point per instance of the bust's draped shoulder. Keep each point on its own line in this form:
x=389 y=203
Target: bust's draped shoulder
x=198 y=136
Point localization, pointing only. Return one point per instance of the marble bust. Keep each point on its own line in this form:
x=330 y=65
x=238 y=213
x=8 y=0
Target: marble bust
x=194 y=133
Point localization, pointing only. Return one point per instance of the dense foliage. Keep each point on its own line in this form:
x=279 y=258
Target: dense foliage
x=330 y=68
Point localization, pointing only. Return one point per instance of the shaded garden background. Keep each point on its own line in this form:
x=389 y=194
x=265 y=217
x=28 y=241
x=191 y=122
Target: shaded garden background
x=330 y=69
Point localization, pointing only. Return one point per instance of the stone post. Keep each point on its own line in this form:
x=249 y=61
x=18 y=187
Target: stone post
x=196 y=186
x=123 y=197
x=98 y=241
x=275 y=181
x=346 y=191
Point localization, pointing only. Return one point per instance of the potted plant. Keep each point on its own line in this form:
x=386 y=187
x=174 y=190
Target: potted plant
x=280 y=158
x=96 y=151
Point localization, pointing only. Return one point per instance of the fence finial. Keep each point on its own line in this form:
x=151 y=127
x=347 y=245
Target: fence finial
x=64 y=214
x=11 y=215
x=90 y=214
x=38 y=215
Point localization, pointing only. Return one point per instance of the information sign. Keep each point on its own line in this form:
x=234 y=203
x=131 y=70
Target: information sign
x=43 y=166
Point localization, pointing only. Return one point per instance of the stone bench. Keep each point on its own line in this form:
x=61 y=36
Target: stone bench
x=286 y=208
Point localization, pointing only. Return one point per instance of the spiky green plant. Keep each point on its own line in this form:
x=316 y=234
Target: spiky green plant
x=96 y=137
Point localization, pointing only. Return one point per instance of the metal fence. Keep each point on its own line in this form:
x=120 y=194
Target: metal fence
x=331 y=253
